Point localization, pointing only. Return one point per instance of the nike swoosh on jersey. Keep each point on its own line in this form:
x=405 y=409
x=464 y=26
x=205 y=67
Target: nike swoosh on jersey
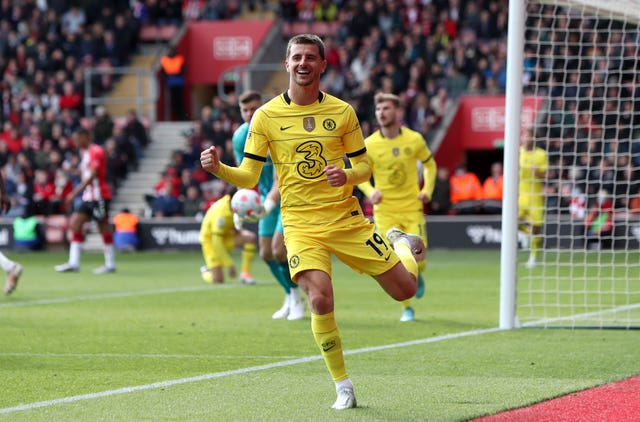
x=285 y=127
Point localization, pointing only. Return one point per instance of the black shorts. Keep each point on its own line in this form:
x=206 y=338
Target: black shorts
x=97 y=210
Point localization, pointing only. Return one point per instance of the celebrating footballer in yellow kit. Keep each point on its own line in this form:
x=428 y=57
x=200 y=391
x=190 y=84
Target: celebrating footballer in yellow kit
x=307 y=133
x=394 y=151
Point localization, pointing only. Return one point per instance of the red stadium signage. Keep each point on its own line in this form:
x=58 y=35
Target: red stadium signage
x=232 y=48
x=216 y=46
x=479 y=125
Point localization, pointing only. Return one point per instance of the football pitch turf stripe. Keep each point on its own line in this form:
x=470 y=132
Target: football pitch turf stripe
x=115 y=295
x=139 y=356
x=240 y=371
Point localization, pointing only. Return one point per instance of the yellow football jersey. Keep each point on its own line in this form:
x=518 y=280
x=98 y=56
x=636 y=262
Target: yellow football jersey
x=530 y=162
x=302 y=141
x=218 y=220
x=393 y=165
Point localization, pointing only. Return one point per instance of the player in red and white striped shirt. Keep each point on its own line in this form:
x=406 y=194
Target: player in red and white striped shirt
x=96 y=196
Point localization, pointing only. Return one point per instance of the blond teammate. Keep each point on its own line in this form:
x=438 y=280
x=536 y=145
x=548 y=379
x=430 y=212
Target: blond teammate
x=533 y=170
x=394 y=151
x=307 y=133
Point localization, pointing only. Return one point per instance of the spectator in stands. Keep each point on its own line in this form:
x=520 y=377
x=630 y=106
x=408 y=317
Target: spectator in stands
x=116 y=164
x=325 y=11
x=173 y=68
x=70 y=98
x=136 y=132
x=192 y=205
x=492 y=190
x=43 y=192
x=125 y=234
x=466 y=191
x=441 y=201
x=166 y=204
x=11 y=137
x=103 y=127
x=73 y=20
x=599 y=222
x=125 y=147
x=64 y=186
x=28 y=232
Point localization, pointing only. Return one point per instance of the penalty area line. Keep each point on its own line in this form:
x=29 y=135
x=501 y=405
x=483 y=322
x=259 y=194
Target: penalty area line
x=240 y=371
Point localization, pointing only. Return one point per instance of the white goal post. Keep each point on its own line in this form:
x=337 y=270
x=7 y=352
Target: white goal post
x=581 y=60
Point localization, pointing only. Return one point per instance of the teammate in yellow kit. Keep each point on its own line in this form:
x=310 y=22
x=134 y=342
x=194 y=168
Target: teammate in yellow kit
x=307 y=133
x=218 y=237
x=533 y=170
x=394 y=151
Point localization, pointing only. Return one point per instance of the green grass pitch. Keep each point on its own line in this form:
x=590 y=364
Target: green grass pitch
x=152 y=342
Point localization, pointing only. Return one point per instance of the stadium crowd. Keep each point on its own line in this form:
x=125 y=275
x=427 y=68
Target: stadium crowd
x=428 y=53
x=44 y=50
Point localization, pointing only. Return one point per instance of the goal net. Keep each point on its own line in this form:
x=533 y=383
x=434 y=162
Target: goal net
x=581 y=61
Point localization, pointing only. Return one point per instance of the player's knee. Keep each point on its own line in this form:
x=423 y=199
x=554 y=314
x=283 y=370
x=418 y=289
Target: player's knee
x=280 y=253
x=266 y=254
x=319 y=304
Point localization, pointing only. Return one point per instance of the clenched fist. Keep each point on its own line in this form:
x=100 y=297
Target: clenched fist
x=209 y=159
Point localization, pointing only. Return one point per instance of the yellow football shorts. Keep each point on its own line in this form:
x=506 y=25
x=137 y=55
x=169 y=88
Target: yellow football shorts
x=409 y=223
x=531 y=209
x=354 y=241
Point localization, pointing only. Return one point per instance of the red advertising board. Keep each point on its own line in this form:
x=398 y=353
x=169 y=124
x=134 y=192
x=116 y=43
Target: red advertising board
x=215 y=46
x=479 y=125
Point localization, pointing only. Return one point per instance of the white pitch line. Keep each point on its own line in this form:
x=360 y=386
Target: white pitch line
x=204 y=377
x=113 y=295
x=584 y=316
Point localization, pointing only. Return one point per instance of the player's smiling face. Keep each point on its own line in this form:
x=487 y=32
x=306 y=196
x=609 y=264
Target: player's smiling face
x=304 y=64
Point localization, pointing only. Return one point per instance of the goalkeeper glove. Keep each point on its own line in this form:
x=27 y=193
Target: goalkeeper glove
x=266 y=208
x=237 y=221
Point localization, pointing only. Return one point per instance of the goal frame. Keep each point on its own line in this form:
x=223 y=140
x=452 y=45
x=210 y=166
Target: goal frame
x=620 y=9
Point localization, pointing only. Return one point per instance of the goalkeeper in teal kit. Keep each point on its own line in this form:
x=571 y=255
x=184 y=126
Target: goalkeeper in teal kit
x=270 y=232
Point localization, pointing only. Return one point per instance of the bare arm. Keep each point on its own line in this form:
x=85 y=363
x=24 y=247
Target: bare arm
x=83 y=184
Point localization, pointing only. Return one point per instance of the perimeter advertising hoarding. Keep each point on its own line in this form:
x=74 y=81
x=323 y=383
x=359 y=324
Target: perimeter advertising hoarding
x=469 y=232
x=473 y=232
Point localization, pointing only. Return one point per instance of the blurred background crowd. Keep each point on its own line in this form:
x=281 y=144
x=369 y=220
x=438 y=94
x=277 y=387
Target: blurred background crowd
x=427 y=52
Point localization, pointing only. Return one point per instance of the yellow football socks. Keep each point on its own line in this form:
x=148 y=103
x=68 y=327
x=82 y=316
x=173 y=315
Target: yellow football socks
x=248 y=253
x=406 y=256
x=325 y=332
x=536 y=243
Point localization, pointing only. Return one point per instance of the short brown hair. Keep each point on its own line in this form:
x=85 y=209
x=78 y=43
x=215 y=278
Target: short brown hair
x=249 y=96
x=383 y=96
x=306 y=39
